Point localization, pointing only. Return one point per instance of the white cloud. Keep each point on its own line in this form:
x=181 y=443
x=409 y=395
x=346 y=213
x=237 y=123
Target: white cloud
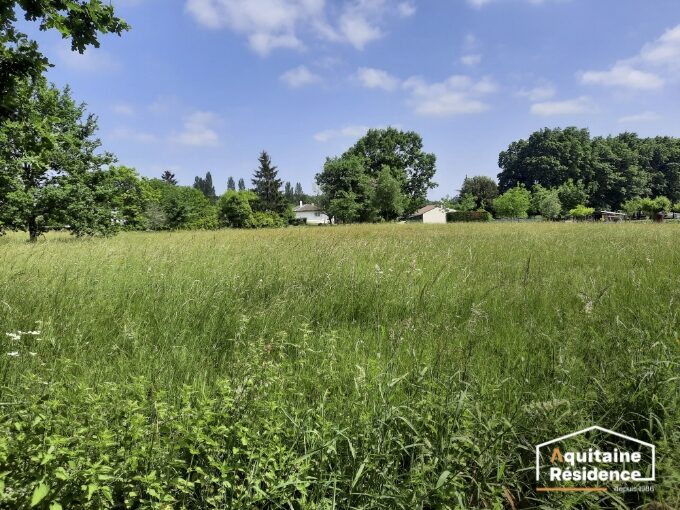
x=471 y=60
x=346 y=132
x=376 y=79
x=640 y=117
x=357 y=27
x=271 y=24
x=198 y=130
x=579 y=105
x=133 y=135
x=665 y=51
x=622 y=75
x=299 y=77
x=656 y=62
x=125 y=109
x=268 y=24
x=458 y=95
x=406 y=9
x=541 y=92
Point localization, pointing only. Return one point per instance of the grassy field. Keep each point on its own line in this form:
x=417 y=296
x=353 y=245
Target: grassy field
x=395 y=366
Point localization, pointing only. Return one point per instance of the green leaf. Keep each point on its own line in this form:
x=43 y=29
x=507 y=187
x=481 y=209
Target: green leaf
x=358 y=475
x=442 y=479
x=39 y=494
x=55 y=505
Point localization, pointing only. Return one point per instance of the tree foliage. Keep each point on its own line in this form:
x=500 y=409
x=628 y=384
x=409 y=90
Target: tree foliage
x=484 y=189
x=384 y=175
x=572 y=194
x=178 y=207
x=81 y=21
x=581 y=212
x=205 y=185
x=169 y=177
x=52 y=172
x=606 y=172
x=235 y=209
x=546 y=202
x=267 y=187
x=652 y=206
x=344 y=183
x=514 y=203
x=388 y=199
x=402 y=152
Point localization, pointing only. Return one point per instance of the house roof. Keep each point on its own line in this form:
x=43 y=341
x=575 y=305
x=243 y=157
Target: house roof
x=424 y=210
x=307 y=208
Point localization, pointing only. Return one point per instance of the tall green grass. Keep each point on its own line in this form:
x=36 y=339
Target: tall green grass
x=395 y=366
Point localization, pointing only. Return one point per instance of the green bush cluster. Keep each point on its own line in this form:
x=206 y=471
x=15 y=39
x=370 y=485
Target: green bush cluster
x=467 y=216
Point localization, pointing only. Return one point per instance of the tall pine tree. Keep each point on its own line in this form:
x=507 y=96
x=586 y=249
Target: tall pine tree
x=231 y=185
x=205 y=185
x=267 y=187
x=288 y=193
x=241 y=185
x=169 y=177
x=298 y=194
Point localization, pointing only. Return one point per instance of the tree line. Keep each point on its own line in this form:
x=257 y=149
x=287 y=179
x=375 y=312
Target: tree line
x=619 y=172
x=54 y=173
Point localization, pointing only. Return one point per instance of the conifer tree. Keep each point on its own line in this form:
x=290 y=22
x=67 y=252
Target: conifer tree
x=205 y=185
x=231 y=185
x=169 y=177
x=288 y=193
x=298 y=194
x=241 y=185
x=267 y=186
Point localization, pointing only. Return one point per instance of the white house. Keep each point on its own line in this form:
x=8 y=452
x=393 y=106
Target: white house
x=430 y=214
x=312 y=213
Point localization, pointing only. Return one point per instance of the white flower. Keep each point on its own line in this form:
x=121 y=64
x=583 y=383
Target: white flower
x=14 y=354
x=13 y=336
x=33 y=353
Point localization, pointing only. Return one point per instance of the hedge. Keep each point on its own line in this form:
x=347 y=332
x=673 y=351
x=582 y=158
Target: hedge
x=456 y=216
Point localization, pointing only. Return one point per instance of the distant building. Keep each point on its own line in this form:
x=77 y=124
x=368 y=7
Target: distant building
x=312 y=214
x=610 y=216
x=429 y=214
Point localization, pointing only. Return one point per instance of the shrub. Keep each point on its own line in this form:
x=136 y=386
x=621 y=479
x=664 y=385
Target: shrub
x=581 y=212
x=514 y=203
x=266 y=220
x=465 y=216
x=546 y=202
x=235 y=208
x=631 y=207
x=652 y=206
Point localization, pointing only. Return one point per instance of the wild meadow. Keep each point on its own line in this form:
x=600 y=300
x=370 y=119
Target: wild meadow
x=358 y=367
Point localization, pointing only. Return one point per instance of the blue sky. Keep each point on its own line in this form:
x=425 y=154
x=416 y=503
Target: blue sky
x=203 y=85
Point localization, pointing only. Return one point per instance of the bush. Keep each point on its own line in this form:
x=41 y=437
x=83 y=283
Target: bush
x=465 y=216
x=266 y=220
x=235 y=210
x=653 y=206
x=581 y=212
x=514 y=203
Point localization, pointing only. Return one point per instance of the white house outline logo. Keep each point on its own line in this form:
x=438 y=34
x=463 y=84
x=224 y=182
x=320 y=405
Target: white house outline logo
x=606 y=431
